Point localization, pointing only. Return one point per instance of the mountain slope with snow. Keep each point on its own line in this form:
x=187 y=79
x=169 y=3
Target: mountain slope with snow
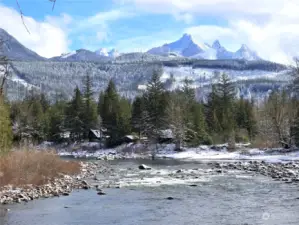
x=245 y=53
x=185 y=46
x=81 y=55
x=14 y=50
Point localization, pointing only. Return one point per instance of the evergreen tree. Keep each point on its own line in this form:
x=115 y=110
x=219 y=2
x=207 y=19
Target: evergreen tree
x=156 y=104
x=225 y=92
x=74 y=113
x=176 y=117
x=101 y=102
x=241 y=114
x=123 y=117
x=139 y=116
x=109 y=112
x=194 y=116
x=5 y=127
x=213 y=112
x=90 y=114
x=37 y=119
x=44 y=102
x=57 y=119
x=199 y=126
x=250 y=122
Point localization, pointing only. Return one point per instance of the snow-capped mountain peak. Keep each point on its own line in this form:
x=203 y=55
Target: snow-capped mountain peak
x=216 y=45
x=185 y=47
x=113 y=53
x=102 y=52
x=246 y=53
x=244 y=48
x=186 y=37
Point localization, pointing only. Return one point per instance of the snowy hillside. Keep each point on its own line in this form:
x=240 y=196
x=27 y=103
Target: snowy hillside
x=131 y=74
x=14 y=50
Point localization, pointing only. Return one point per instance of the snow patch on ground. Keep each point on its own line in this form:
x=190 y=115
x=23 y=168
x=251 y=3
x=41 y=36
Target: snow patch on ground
x=204 y=152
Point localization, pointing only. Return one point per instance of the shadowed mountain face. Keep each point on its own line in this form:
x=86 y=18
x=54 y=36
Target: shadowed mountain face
x=14 y=50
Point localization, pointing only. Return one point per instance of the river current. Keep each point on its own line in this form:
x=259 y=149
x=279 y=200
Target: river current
x=221 y=200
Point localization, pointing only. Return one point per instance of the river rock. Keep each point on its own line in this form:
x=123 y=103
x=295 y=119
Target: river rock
x=101 y=193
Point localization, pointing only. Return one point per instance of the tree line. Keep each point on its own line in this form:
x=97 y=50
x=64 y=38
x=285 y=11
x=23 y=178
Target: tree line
x=222 y=118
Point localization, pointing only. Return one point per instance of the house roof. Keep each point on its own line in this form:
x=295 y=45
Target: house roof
x=131 y=137
x=96 y=133
x=166 y=133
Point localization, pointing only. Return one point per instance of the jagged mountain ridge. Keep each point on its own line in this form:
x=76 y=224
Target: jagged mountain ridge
x=130 y=71
x=184 y=47
x=187 y=47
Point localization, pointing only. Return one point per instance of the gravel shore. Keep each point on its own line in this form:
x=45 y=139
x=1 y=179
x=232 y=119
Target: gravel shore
x=100 y=174
x=59 y=187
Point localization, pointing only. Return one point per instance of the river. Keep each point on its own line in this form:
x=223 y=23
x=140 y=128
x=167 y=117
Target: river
x=228 y=199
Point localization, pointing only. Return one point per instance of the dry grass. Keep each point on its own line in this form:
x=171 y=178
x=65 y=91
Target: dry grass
x=34 y=167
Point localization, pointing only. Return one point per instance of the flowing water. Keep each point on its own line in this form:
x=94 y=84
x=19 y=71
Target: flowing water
x=227 y=199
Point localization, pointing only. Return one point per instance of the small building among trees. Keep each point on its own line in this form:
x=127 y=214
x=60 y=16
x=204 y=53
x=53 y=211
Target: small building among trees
x=95 y=135
x=166 y=136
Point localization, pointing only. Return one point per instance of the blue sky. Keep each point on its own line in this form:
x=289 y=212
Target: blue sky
x=270 y=27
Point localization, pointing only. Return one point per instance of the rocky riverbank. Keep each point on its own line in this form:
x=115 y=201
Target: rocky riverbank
x=59 y=187
x=286 y=172
x=102 y=174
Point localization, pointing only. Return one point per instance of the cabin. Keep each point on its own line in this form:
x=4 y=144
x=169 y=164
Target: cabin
x=166 y=136
x=130 y=139
x=95 y=135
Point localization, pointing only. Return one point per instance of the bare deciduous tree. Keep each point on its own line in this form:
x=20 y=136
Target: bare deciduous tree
x=22 y=15
x=276 y=119
x=176 y=117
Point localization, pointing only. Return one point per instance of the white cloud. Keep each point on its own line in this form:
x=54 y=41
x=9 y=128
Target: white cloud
x=185 y=17
x=252 y=7
x=102 y=36
x=97 y=27
x=46 y=37
x=273 y=41
x=143 y=43
x=210 y=33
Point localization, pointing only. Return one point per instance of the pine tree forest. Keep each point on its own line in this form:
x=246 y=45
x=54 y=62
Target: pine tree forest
x=221 y=118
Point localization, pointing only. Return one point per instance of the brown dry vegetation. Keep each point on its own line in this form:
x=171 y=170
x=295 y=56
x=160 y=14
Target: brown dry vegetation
x=34 y=167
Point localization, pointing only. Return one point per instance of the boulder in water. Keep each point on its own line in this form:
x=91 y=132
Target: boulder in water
x=101 y=192
x=144 y=167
